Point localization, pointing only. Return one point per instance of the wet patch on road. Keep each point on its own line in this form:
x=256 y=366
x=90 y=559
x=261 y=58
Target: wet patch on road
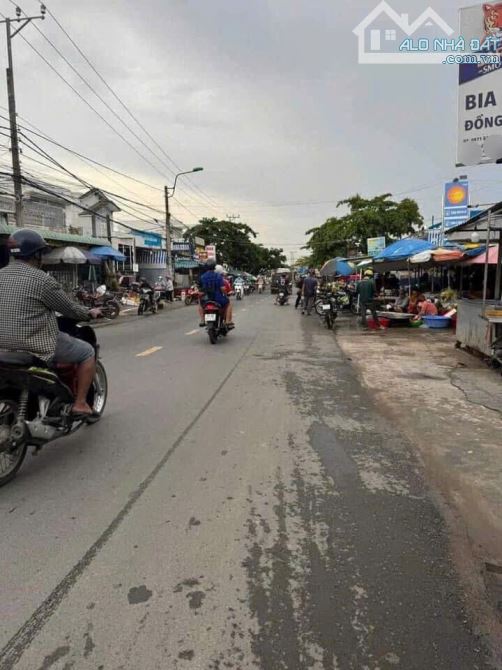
x=138 y=594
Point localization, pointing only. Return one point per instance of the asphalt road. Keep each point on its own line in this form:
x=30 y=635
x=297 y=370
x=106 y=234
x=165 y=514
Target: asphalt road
x=239 y=506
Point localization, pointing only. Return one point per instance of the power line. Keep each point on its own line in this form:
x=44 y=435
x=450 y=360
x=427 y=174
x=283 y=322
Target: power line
x=105 y=103
x=122 y=103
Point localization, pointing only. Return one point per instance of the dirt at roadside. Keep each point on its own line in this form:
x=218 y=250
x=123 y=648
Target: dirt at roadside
x=449 y=404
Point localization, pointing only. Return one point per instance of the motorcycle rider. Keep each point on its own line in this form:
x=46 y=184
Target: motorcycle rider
x=227 y=288
x=239 y=285
x=212 y=285
x=29 y=299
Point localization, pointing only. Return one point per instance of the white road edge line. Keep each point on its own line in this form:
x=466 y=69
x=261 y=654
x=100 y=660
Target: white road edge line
x=192 y=332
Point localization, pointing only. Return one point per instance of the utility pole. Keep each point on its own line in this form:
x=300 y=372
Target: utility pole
x=169 y=193
x=14 y=140
x=169 y=259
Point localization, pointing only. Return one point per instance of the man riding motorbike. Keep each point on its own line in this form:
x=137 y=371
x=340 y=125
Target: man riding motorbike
x=213 y=286
x=29 y=300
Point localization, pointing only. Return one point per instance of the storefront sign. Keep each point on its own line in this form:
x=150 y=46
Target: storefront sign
x=181 y=247
x=211 y=251
x=480 y=86
x=375 y=245
x=455 y=203
x=149 y=240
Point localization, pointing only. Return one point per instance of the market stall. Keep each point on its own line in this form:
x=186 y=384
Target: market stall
x=479 y=320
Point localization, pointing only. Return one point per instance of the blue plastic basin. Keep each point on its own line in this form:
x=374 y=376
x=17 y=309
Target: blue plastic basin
x=437 y=321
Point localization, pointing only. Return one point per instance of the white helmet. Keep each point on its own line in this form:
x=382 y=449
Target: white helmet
x=220 y=269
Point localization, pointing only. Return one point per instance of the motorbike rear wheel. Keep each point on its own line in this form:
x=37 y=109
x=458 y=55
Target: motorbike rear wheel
x=10 y=461
x=329 y=322
x=213 y=335
x=188 y=300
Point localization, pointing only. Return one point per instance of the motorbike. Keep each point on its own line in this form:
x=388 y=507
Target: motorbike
x=239 y=291
x=214 y=320
x=149 y=300
x=192 y=295
x=103 y=299
x=36 y=401
x=327 y=308
x=282 y=298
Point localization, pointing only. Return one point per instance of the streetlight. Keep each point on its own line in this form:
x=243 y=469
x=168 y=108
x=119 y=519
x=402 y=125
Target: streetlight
x=169 y=193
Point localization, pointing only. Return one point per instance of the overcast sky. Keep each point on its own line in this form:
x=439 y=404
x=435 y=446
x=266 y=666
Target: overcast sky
x=267 y=95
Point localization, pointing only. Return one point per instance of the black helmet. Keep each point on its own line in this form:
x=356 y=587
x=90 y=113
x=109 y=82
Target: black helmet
x=26 y=243
x=210 y=264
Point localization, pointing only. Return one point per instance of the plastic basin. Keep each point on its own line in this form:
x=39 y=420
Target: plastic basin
x=437 y=321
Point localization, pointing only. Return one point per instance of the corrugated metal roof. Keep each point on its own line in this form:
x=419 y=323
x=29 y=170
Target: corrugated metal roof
x=59 y=237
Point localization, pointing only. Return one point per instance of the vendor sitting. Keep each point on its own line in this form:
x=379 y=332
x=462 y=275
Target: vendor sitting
x=401 y=304
x=413 y=302
x=425 y=308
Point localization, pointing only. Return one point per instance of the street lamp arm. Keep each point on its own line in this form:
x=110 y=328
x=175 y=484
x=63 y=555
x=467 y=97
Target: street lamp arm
x=171 y=189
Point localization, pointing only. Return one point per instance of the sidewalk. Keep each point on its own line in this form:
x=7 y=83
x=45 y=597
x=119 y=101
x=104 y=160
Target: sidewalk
x=449 y=404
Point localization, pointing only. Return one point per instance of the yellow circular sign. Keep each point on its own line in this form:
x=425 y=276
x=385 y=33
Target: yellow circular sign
x=456 y=195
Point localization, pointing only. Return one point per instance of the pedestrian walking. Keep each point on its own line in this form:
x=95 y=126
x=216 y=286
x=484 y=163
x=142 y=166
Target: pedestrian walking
x=366 y=290
x=309 y=292
x=299 y=286
x=169 y=289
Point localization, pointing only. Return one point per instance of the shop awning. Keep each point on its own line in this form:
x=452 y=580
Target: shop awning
x=57 y=236
x=481 y=258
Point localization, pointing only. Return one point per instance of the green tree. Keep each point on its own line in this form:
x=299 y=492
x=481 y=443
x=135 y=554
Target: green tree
x=379 y=216
x=235 y=245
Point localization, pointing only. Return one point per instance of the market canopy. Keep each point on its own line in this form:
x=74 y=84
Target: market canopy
x=403 y=249
x=480 y=259
x=338 y=266
x=108 y=253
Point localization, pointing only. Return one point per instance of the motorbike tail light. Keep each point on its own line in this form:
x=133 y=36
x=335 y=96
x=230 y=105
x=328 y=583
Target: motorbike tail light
x=212 y=308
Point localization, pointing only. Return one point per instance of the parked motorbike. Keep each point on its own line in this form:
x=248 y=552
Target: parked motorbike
x=103 y=299
x=328 y=309
x=36 y=402
x=215 y=322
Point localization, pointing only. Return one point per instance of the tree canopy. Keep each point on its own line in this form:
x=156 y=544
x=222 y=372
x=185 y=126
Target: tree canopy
x=235 y=245
x=376 y=217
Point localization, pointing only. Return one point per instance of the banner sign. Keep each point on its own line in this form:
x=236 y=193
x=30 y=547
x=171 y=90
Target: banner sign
x=455 y=203
x=375 y=245
x=149 y=239
x=211 y=251
x=480 y=86
x=181 y=247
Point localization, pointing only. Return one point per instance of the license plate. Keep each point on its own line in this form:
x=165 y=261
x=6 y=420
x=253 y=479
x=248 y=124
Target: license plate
x=326 y=308
x=210 y=317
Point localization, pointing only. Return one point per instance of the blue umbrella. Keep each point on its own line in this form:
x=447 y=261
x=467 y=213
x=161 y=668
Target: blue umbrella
x=108 y=253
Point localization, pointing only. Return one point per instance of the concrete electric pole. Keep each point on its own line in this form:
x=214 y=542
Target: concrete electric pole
x=14 y=140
